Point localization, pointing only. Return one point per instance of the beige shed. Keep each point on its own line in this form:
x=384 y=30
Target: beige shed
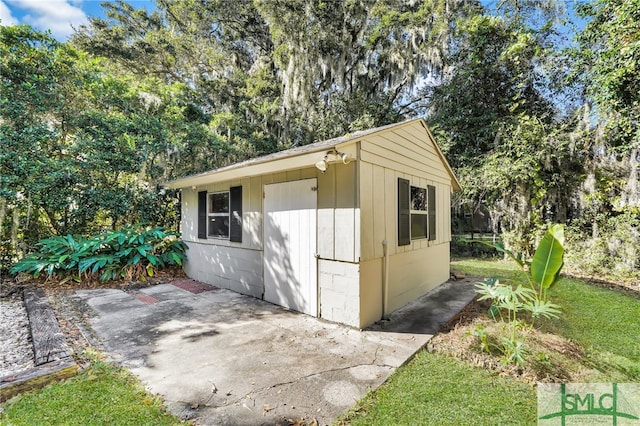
x=348 y=229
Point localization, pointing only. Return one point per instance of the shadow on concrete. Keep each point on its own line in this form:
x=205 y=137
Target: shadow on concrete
x=223 y=358
x=428 y=313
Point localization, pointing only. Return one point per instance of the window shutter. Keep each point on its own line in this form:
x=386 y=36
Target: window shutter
x=431 y=205
x=235 y=215
x=202 y=214
x=404 y=224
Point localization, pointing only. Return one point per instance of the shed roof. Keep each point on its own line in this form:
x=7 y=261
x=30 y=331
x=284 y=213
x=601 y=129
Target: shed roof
x=297 y=157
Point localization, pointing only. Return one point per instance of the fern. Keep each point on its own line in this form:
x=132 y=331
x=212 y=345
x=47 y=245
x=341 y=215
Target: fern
x=133 y=252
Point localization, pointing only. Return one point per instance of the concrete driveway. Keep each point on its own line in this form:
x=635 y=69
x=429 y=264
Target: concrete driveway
x=222 y=358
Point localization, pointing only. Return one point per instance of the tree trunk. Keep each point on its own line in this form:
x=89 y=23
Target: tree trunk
x=631 y=193
x=3 y=213
x=15 y=224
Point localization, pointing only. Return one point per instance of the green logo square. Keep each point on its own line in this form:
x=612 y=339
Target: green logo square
x=589 y=403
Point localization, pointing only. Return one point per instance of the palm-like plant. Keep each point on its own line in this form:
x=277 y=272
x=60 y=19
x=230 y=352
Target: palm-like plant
x=541 y=273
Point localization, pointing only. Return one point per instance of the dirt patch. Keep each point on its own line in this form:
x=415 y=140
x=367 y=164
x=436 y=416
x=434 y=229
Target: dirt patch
x=549 y=358
x=630 y=288
x=52 y=284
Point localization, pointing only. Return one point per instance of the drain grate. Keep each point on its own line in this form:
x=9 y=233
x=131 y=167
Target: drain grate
x=144 y=298
x=194 y=287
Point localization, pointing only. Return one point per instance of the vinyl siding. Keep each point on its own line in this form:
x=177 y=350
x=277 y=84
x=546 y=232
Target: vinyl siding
x=406 y=152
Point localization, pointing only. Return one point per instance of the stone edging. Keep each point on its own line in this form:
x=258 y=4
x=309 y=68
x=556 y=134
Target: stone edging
x=52 y=355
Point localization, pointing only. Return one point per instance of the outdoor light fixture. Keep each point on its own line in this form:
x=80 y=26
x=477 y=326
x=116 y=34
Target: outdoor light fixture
x=322 y=164
x=345 y=158
x=332 y=155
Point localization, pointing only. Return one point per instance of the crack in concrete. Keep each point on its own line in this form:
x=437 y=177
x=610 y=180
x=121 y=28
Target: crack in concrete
x=375 y=356
x=308 y=376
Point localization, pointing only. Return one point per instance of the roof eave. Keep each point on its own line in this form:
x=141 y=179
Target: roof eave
x=262 y=165
x=300 y=157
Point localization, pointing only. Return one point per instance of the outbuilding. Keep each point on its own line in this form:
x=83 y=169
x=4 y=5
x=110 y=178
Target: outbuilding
x=348 y=229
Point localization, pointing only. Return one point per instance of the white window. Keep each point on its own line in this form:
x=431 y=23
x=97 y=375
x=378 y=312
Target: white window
x=218 y=215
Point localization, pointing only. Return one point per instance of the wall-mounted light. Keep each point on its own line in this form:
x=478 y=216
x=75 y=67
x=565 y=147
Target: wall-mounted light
x=322 y=164
x=332 y=155
x=345 y=158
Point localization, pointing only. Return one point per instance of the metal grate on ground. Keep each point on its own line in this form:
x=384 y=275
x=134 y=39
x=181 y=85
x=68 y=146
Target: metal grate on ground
x=194 y=287
x=144 y=298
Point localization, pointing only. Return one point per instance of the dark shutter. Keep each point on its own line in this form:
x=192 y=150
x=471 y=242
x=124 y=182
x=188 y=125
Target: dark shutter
x=431 y=205
x=235 y=215
x=404 y=225
x=202 y=214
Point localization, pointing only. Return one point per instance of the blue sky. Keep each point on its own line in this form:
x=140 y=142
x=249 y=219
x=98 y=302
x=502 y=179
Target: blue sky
x=59 y=16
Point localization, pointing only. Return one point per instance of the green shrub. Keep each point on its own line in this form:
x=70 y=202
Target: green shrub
x=541 y=272
x=7 y=256
x=133 y=252
x=613 y=253
x=461 y=246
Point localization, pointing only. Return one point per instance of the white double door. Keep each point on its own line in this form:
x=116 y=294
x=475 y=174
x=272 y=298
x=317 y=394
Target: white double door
x=290 y=232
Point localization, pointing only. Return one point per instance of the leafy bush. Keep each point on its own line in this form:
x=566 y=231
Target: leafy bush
x=133 y=252
x=464 y=247
x=7 y=256
x=613 y=253
x=541 y=273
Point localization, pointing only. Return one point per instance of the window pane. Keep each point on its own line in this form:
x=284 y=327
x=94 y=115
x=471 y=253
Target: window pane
x=418 y=226
x=219 y=203
x=418 y=198
x=219 y=226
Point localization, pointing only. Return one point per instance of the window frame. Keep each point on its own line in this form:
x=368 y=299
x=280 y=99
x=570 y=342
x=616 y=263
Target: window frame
x=415 y=212
x=210 y=214
x=426 y=210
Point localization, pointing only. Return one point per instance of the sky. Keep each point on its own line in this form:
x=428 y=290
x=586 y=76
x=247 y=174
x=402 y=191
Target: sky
x=59 y=16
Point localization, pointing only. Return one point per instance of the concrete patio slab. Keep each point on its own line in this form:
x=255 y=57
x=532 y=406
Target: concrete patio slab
x=222 y=358
x=165 y=292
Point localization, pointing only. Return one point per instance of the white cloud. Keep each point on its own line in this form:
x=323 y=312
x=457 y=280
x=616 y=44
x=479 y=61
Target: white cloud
x=5 y=15
x=56 y=15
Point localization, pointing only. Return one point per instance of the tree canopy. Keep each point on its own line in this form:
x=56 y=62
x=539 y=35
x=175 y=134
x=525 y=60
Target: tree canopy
x=538 y=117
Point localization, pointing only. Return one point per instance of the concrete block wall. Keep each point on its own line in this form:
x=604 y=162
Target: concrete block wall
x=339 y=284
x=233 y=268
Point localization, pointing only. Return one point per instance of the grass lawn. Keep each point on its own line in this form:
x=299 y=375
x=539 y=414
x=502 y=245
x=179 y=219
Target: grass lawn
x=101 y=395
x=604 y=322
x=435 y=389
